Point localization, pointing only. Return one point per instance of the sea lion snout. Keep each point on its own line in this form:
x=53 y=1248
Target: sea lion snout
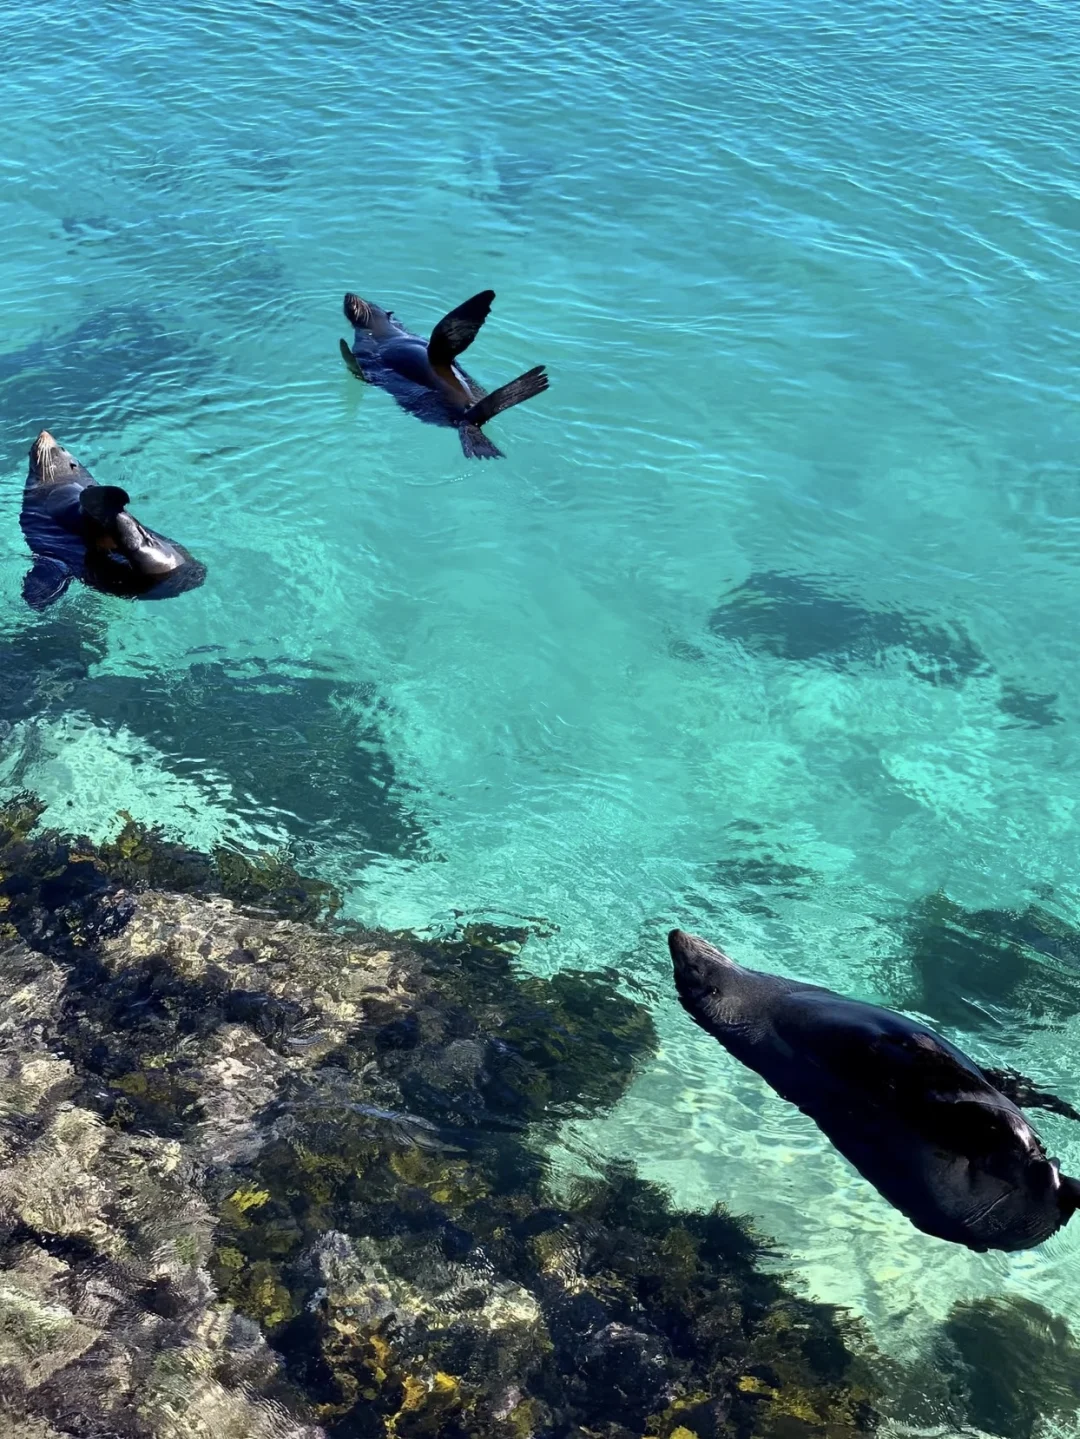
x=700 y=968
x=357 y=311
x=42 y=455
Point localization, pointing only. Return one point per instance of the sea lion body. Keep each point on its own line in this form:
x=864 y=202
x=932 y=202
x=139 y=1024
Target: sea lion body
x=912 y=1113
x=78 y=529
x=424 y=375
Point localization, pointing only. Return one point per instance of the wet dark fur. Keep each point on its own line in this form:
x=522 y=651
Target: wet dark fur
x=912 y=1113
x=68 y=544
x=424 y=376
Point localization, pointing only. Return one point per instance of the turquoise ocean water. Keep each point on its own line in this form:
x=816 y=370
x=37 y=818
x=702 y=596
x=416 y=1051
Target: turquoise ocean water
x=766 y=624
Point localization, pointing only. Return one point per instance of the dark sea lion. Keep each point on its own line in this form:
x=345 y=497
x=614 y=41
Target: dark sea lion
x=78 y=529
x=933 y=1133
x=424 y=376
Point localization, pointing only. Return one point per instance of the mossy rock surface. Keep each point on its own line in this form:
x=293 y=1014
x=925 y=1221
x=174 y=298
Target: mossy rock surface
x=262 y=1175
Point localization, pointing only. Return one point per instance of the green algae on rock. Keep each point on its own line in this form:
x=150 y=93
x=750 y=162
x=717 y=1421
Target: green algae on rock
x=260 y=1176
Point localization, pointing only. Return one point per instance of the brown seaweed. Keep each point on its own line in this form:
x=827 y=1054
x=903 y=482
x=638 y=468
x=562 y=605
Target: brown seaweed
x=261 y=1176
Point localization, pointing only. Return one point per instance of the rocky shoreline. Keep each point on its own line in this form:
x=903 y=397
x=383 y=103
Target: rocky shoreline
x=266 y=1177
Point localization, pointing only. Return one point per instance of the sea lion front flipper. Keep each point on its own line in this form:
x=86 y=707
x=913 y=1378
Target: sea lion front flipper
x=45 y=582
x=350 y=361
x=1026 y=1094
x=455 y=332
x=102 y=503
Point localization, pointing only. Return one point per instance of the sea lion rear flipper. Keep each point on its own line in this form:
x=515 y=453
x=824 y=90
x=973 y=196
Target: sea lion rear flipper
x=45 y=582
x=526 y=387
x=350 y=361
x=102 y=503
x=455 y=332
x=1026 y=1094
x=476 y=445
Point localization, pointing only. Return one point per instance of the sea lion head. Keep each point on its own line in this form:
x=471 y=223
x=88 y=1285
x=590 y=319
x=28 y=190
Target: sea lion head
x=1038 y=1201
x=378 y=323
x=51 y=464
x=703 y=977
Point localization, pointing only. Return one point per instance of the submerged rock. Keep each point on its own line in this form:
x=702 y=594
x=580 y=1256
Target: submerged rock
x=1012 y=1365
x=806 y=619
x=974 y=968
x=260 y=1176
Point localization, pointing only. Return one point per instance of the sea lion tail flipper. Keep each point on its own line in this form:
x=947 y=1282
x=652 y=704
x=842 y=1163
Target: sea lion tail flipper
x=103 y=503
x=45 y=582
x=350 y=361
x=476 y=444
x=1026 y=1093
x=456 y=332
x=526 y=387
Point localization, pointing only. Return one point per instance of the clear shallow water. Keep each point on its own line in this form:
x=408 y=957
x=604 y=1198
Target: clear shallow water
x=806 y=280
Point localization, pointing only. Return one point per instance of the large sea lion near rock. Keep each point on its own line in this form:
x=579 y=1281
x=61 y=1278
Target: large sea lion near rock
x=424 y=376
x=78 y=529
x=938 y=1137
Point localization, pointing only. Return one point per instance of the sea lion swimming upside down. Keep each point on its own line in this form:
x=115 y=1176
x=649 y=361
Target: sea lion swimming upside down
x=424 y=376
x=939 y=1138
x=78 y=529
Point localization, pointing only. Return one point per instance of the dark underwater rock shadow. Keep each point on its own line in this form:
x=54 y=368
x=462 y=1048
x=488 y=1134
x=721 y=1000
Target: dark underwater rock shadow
x=263 y=1168
x=807 y=620
x=118 y=363
x=803 y=619
x=1000 y=1364
x=307 y=748
x=757 y=871
x=511 y=181
x=986 y=969
x=1012 y=1365
x=295 y=746
x=238 y=273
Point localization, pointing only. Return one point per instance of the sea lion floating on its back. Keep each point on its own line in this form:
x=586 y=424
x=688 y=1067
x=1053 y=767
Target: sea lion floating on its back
x=424 y=376
x=941 y=1139
x=78 y=529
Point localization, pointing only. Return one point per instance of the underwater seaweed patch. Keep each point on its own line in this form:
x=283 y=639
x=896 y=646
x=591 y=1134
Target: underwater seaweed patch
x=308 y=748
x=962 y=967
x=799 y=618
x=1027 y=709
x=116 y=363
x=43 y=658
x=1012 y=1365
x=756 y=869
x=305 y=750
x=411 y=1293
x=354 y=1127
